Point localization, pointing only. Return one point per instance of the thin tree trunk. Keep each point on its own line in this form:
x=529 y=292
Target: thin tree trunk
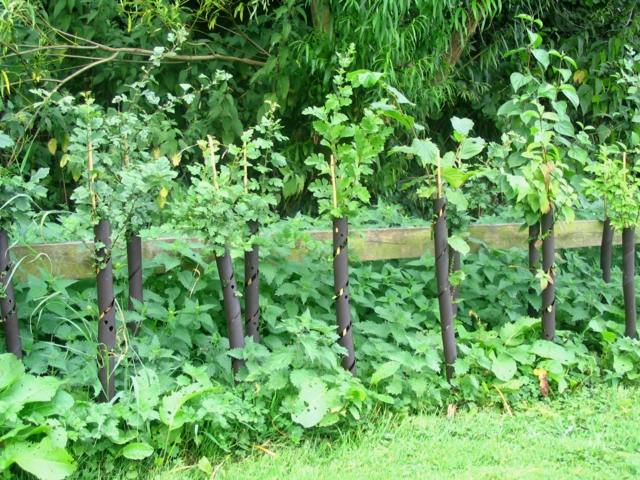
x=441 y=249
x=606 y=249
x=629 y=281
x=534 y=262
x=107 y=311
x=455 y=263
x=252 y=287
x=548 y=294
x=134 y=268
x=8 y=308
x=231 y=306
x=341 y=291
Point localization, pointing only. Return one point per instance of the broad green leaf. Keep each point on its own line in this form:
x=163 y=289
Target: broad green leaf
x=462 y=125
x=10 y=370
x=504 y=367
x=384 y=371
x=454 y=176
x=42 y=460
x=570 y=92
x=5 y=140
x=457 y=199
x=364 y=78
x=137 y=451
x=518 y=80
x=542 y=56
x=459 y=244
x=552 y=351
x=400 y=98
x=470 y=147
x=622 y=364
x=312 y=403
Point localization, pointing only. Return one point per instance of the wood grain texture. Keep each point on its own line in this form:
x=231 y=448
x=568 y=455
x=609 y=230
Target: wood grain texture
x=73 y=259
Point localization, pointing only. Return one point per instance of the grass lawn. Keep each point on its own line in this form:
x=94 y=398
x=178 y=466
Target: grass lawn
x=587 y=435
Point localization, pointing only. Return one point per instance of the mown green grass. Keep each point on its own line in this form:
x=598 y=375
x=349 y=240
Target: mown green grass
x=587 y=435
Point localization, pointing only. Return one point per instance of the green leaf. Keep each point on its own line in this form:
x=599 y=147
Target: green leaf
x=454 y=176
x=459 y=244
x=462 y=125
x=384 y=371
x=312 y=403
x=470 y=147
x=457 y=199
x=570 y=92
x=5 y=140
x=10 y=370
x=552 y=351
x=518 y=80
x=542 y=56
x=622 y=364
x=43 y=460
x=504 y=367
x=137 y=451
x=364 y=78
x=400 y=98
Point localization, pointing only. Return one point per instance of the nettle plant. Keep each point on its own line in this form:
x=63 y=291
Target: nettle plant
x=616 y=180
x=539 y=144
x=352 y=143
x=224 y=204
x=445 y=175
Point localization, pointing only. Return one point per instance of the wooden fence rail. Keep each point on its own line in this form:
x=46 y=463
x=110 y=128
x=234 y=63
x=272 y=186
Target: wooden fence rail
x=74 y=259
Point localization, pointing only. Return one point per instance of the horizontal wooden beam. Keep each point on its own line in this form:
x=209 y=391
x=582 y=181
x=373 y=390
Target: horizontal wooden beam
x=74 y=259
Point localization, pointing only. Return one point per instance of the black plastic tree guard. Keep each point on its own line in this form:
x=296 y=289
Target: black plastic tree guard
x=252 y=287
x=134 y=269
x=441 y=250
x=107 y=312
x=534 y=261
x=341 y=291
x=8 y=308
x=231 y=304
x=549 y=293
x=456 y=264
x=606 y=250
x=628 y=281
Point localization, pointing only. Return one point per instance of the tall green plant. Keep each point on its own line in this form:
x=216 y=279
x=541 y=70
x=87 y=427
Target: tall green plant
x=351 y=147
x=538 y=145
x=445 y=174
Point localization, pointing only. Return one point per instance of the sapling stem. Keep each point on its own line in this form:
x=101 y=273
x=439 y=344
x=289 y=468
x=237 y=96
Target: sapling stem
x=548 y=258
x=441 y=250
x=455 y=262
x=230 y=300
x=252 y=287
x=606 y=249
x=106 y=311
x=334 y=188
x=534 y=261
x=341 y=291
x=134 y=269
x=445 y=307
x=628 y=281
x=8 y=308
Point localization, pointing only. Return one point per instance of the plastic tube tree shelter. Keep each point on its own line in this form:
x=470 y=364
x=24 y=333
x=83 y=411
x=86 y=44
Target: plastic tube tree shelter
x=351 y=146
x=445 y=175
x=216 y=208
x=259 y=164
x=539 y=147
x=616 y=182
x=16 y=201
